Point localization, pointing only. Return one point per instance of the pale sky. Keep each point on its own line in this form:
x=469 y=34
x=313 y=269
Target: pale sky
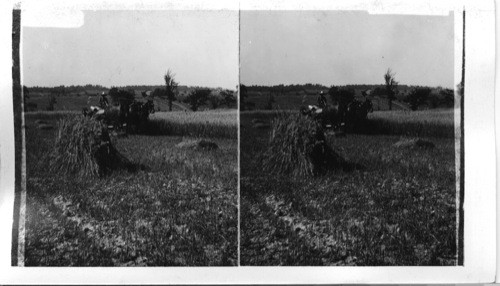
x=351 y=47
x=115 y=48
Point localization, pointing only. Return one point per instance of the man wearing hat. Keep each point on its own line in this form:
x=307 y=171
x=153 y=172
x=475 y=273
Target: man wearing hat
x=321 y=100
x=103 y=101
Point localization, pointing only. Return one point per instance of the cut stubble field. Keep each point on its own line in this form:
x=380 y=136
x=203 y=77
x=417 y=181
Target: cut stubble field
x=179 y=208
x=397 y=207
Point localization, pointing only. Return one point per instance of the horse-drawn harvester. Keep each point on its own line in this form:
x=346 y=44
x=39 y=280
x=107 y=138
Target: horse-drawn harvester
x=345 y=115
x=129 y=115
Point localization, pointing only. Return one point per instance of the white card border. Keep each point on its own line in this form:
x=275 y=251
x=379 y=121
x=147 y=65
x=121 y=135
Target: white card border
x=480 y=185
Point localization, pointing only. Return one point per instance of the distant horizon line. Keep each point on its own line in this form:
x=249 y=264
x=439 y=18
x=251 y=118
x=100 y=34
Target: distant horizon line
x=400 y=84
x=220 y=87
x=112 y=86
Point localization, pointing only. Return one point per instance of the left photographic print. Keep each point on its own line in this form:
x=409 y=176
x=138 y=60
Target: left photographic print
x=130 y=139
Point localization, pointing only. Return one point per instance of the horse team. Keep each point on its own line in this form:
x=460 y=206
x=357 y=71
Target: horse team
x=129 y=115
x=347 y=114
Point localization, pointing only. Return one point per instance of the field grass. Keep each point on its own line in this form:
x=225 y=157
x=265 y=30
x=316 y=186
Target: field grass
x=212 y=124
x=433 y=123
x=397 y=207
x=179 y=208
x=437 y=123
x=214 y=117
x=443 y=117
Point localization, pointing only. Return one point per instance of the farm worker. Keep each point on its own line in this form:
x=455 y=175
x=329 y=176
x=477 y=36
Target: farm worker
x=322 y=100
x=103 y=101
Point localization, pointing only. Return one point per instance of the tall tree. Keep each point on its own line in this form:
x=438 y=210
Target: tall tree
x=390 y=86
x=171 y=86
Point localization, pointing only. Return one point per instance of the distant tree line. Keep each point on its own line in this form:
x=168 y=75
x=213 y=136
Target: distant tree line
x=425 y=97
x=62 y=89
x=195 y=97
x=277 y=89
x=417 y=97
x=205 y=97
x=95 y=89
x=280 y=89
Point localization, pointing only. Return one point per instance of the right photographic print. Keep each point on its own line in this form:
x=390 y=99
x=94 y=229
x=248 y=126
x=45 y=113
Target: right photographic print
x=349 y=139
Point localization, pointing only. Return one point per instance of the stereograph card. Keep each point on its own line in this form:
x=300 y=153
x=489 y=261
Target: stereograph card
x=248 y=142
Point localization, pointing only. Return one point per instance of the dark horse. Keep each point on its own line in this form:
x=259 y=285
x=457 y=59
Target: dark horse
x=352 y=115
x=132 y=115
x=357 y=114
x=137 y=114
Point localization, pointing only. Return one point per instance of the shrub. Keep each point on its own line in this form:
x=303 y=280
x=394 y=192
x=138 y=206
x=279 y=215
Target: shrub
x=447 y=97
x=418 y=96
x=215 y=101
x=297 y=147
x=228 y=98
x=197 y=98
x=378 y=91
x=159 y=93
x=434 y=100
x=83 y=147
